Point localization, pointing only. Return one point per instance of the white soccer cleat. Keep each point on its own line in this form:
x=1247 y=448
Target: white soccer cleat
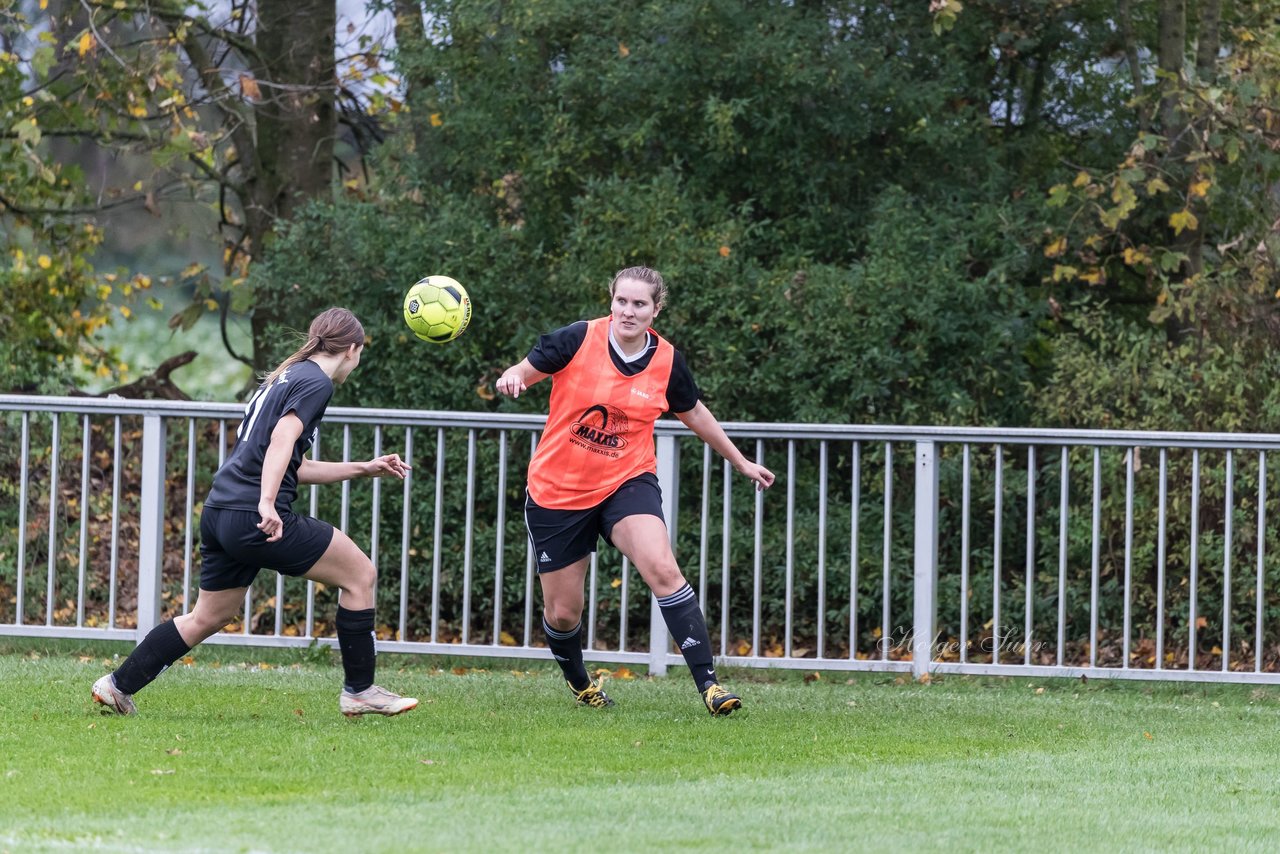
x=115 y=700
x=374 y=700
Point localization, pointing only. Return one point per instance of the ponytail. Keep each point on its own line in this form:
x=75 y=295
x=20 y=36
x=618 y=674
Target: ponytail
x=331 y=332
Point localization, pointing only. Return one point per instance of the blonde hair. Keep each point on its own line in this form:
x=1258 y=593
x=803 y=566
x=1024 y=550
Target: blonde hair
x=647 y=275
x=332 y=332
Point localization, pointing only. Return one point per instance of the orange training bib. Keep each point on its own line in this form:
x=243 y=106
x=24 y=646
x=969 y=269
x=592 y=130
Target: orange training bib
x=599 y=432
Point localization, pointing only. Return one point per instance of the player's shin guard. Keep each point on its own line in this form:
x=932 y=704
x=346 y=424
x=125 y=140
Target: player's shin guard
x=356 y=641
x=162 y=646
x=567 y=648
x=685 y=622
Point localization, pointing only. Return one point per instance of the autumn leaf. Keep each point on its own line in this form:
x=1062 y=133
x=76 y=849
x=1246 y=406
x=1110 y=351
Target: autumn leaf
x=1056 y=248
x=87 y=41
x=506 y=639
x=1063 y=272
x=1182 y=220
x=1155 y=185
x=435 y=120
x=623 y=50
x=724 y=251
x=1082 y=178
x=249 y=88
x=1201 y=187
x=1133 y=256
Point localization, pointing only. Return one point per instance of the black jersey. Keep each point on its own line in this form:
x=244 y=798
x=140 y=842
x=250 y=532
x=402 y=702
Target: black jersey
x=554 y=350
x=303 y=389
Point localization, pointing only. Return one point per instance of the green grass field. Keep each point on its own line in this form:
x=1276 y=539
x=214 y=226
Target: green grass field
x=245 y=751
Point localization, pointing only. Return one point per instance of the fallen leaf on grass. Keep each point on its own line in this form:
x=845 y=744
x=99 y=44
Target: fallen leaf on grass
x=161 y=771
x=620 y=673
x=173 y=751
x=427 y=761
x=812 y=677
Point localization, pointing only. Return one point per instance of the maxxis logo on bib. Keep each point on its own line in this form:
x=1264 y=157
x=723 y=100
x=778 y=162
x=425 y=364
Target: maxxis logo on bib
x=601 y=430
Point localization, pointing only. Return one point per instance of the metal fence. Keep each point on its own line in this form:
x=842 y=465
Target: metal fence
x=917 y=550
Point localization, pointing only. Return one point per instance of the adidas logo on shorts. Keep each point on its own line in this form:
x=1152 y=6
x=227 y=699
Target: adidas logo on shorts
x=688 y=642
x=542 y=558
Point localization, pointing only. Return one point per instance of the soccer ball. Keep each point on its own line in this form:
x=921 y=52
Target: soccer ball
x=437 y=309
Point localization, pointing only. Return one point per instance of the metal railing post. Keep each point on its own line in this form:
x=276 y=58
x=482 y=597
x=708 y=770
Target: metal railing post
x=926 y=559
x=151 y=523
x=669 y=480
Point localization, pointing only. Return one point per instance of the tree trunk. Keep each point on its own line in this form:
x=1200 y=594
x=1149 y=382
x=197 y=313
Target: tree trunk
x=295 y=122
x=1170 y=50
x=411 y=38
x=1208 y=40
x=1124 y=14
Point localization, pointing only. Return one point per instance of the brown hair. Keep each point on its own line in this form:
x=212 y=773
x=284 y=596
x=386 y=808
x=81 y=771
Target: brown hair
x=651 y=277
x=332 y=332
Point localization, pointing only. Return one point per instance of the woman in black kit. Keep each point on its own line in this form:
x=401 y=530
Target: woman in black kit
x=248 y=524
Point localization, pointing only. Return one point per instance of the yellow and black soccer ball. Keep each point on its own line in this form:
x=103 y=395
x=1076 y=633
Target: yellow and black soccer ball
x=437 y=309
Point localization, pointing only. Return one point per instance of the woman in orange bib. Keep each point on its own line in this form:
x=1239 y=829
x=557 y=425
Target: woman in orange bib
x=594 y=473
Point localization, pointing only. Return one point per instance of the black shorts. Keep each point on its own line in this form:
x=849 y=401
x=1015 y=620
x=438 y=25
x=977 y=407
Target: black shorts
x=232 y=549
x=561 y=537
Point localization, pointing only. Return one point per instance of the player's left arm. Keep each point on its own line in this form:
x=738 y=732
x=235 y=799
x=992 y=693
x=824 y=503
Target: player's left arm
x=708 y=429
x=317 y=471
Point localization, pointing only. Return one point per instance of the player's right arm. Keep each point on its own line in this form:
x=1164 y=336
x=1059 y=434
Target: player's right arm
x=519 y=377
x=283 y=437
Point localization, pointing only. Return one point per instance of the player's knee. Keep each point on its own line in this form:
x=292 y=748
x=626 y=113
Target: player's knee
x=665 y=575
x=364 y=576
x=206 y=623
x=563 y=616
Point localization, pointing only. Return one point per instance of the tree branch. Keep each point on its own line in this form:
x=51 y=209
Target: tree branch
x=223 y=305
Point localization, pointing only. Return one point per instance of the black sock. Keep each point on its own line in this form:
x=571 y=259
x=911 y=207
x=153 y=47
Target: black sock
x=162 y=646
x=567 y=648
x=689 y=628
x=356 y=642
